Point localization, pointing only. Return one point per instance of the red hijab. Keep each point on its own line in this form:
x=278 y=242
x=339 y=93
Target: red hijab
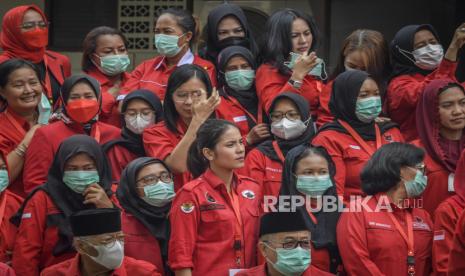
x=443 y=151
x=13 y=41
x=459 y=181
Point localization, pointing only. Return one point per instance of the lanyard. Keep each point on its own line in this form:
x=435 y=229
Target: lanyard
x=47 y=83
x=16 y=125
x=359 y=139
x=278 y=151
x=2 y=207
x=238 y=233
x=408 y=238
x=259 y=119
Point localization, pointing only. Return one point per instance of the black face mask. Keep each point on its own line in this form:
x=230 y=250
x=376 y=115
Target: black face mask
x=233 y=41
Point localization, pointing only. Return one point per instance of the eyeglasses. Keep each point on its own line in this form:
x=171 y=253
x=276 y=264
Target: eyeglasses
x=31 y=25
x=420 y=167
x=291 y=244
x=108 y=240
x=182 y=97
x=290 y=115
x=153 y=178
x=144 y=113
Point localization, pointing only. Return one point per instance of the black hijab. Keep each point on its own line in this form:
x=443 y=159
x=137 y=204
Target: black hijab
x=65 y=199
x=342 y=105
x=248 y=99
x=404 y=38
x=460 y=71
x=155 y=219
x=130 y=140
x=214 y=46
x=266 y=147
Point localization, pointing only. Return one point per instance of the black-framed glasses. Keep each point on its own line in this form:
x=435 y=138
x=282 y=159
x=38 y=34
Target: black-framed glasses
x=292 y=115
x=291 y=244
x=153 y=178
x=31 y=25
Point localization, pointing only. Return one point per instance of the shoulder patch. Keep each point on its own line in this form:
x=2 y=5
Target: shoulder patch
x=209 y=198
x=187 y=207
x=249 y=194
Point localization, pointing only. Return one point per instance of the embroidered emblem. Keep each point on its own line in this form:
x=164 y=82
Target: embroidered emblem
x=248 y=194
x=187 y=207
x=209 y=198
x=210 y=207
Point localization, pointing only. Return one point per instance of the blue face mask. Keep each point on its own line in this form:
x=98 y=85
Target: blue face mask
x=4 y=180
x=416 y=186
x=292 y=261
x=45 y=109
x=78 y=181
x=313 y=185
x=318 y=71
x=159 y=194
x=368 y=109
x=167 y=45
x=240 y=80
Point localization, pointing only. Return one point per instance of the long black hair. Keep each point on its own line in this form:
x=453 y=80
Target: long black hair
x=278 y=43
x=208 y=136
x=184 y=19
x=181 y=75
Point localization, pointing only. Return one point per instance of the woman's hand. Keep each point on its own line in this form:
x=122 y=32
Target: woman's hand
x=114 y=90
x=94 y=194
x=304 y=64
x=28 y=137
x=257 y=134
x=457 y=42
x=202 y=109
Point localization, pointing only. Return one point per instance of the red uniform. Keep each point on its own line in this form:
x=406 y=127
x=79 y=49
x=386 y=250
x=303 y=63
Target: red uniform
x=262 y=271
x=45 y=143
x=153 y=74
x=270 y=83
x=371 y=244
x=159 y=142
x=109 y=113
x=214 y=231
x=5 y=270
x=9 y=205
x=324 y=114
x=403 y=93
x=349 y=157
x=13 y=128
x=35 y=240
x=119 y=157
x=130 y=267
x=457 y=253
x=139 y=243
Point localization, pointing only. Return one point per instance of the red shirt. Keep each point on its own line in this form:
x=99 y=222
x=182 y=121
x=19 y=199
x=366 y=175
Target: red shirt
x=457 y=253
x=349 y=157
x=45 y=143
x=324 y=114
x=159 y=142
x=404 y=91
x=445 y=219
x=204 y=227
x=109 y=113
x=6 y=270
x=8 y=230
x=139 y=243
x=370 y=244
x=270 y=83
x=13 y=128
x=153 y=74
x=119 y=157
x=35 y=240
x=262 y=271
x=130 y=267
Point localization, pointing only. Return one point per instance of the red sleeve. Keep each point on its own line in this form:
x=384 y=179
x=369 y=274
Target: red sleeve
x=323 y=113
x=5 y=270
x=66 y=67
x=133 y=81
x=254 y=166
x=444 y=226
x=352 y=243
x=457 y=253
x=183 y=230
x=108 y=103
x=29 y=240
x=38 y=158
x=157 y=142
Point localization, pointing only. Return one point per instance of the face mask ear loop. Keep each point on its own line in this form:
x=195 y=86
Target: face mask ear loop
x=404 y=53
x=323 y=65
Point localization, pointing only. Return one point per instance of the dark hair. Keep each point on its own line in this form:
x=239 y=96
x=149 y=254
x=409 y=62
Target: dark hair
x=184 y=19
x=451 y=85
x=318 y=151
x=89 y=45
x=382 y=171
x=181 y=75
x=278 y=40
x=11 y=65
x=208 y=136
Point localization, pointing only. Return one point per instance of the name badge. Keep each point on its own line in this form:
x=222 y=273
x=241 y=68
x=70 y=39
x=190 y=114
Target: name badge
x=355 y=147
x=450 y=183
x=240 y=119
x=233 y=271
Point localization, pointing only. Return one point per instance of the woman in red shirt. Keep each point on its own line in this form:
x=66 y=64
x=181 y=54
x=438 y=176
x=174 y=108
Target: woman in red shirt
x=417 y=58
x=105 y=58
x=354 y=136
x=145 y=193
x=175 y=33
x=456 y=264
x=289 y=61
x=141 y=109
x=440 y=124
x=20 y=87
x=25 y=35
x=382 y=234
x=189 y=101
x=215 y=218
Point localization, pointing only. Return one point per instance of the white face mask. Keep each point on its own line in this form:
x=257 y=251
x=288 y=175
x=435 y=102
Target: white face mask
x=428 y=57
x=287 y=129
x=138 y=123
x=109 y=257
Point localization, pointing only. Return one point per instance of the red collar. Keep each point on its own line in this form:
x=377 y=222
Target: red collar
x=214 y=181
x=102 y=78
x=23 y=123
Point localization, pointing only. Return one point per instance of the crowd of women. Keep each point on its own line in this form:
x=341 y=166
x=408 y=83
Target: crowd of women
x=188 y=144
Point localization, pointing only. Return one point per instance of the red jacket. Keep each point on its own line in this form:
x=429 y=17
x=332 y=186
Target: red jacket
x=130 y=267
x=118 y=158
x=153 y=75
x=139 y=243
x=6 y=270
x=403 y=93
x=109 y=113
x=438 y=180
x=445 y=219
x=262 y=271
x=159 y=142
x=457 y=253
x=324 y=114
x=349 y=157
x=45 y=143
x=204 y=227
x=370 y=244
x=8 y=230
x=35 y=240
x=270 y=83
